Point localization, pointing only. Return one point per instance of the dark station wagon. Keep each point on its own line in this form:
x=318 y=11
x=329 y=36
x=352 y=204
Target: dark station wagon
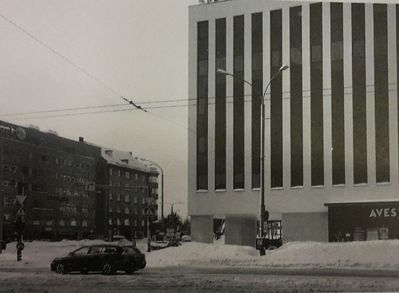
x=100 y=258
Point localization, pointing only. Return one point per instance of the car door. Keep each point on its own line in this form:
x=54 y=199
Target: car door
x=94 y=258
x=79 y=258
x=112 y=255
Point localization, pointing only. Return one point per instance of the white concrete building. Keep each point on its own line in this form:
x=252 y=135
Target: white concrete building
x=331 y=150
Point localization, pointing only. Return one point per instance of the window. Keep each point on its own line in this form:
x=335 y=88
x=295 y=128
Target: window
x=296 y=96
x=143 y=223
x=73 y=223
x=118 y=210
x=127 y=198
x=127 y=210
x=36 y=222
x=127 y=222
x=7 y=217
x=257 y=88
x=119 y=197
x=135 y=223
x=110 y=196
x=359 y=94
x=110 y=221
x=337 y=95
x=110 y=209
x=82 y=251
x=238 y=102
x=118 y=221
x=110 y=171
x=84 y=223
x=61 y=223
x=316 y=95
x=202 y=104
x=135 y=199
x=381 y=93
x=136 y=176
x=127 y=175
x=119 y=173
x=276 y=121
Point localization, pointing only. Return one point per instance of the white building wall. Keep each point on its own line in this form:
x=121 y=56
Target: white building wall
x=289 y=200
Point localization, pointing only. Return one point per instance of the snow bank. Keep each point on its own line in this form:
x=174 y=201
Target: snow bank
x=369 y=255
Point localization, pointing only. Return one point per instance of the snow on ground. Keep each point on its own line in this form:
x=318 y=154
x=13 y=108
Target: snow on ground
x=370 y=255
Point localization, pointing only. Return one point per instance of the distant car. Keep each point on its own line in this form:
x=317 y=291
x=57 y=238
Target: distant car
x=104 y=258
x=173 y=242
x=186 y=238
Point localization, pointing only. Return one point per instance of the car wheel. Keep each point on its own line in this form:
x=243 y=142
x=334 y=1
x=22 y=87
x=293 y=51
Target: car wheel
x=60 y=269
x=143 y=264
x=107 y=269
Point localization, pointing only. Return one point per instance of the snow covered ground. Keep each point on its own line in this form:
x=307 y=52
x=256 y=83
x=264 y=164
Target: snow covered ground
x=371 y=255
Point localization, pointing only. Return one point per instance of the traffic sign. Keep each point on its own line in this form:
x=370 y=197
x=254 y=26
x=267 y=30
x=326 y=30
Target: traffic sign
x=21 y=199
x=20 y=246
x=149 y=201
x=148 y=211
x=21 y=212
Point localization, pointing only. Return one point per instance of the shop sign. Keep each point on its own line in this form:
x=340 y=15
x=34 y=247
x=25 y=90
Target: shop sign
x=384 y=213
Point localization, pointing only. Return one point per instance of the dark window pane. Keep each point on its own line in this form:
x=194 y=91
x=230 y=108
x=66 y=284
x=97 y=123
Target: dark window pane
x=257 y=89
x=316 y=94
x=359 y=95
x=238 y=103
x=296 y=96
x=220 y=106
x=381 y=93
x=202 y=106
x=276 y=138
x=337 y=95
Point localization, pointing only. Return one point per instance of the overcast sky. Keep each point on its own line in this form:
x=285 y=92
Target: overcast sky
x=137 y=48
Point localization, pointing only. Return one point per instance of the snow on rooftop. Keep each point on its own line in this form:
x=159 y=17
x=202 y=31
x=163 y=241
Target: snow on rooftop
x=126 y=160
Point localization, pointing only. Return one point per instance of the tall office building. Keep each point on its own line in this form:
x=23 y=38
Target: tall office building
x=331 y=119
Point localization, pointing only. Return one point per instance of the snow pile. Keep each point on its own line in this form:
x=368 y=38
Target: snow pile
x=370 y=255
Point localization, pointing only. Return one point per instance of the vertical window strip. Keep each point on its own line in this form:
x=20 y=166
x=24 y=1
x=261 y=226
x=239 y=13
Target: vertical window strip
x=238 y=103
x=359 y=94
x=337 y=95
x=316 y=94
x=276 y=137
x=381 y=92
x=202 y=105
x=257 y=91
x=220 y=106
x=296 y=96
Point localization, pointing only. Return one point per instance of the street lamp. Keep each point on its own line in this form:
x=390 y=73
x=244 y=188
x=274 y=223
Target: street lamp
x=262 y=187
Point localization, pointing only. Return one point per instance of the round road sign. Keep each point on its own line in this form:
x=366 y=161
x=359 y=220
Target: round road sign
x=20 y=246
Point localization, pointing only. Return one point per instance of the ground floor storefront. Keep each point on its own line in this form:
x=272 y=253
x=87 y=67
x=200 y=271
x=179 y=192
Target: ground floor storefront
x=341 y=222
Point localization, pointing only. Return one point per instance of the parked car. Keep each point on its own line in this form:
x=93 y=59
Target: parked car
x=104 y=258
x=186 y=238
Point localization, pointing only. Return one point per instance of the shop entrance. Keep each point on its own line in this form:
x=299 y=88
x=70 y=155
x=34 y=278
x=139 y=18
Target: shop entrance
x=361 y=221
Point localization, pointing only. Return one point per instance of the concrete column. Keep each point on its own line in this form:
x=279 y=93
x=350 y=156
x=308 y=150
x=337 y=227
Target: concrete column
x=240 y=230
x=393 y=93
x=370 y=95
x=348 y=92
x=286 y=96
x=327 y=124
x=202 y=229
x=229 y=105
x=306 y=95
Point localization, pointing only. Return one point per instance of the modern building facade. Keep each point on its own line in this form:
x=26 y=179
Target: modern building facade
x=331 y=123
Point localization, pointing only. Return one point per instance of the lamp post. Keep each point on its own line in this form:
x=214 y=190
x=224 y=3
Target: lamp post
x=262 y=158
x=1 y=195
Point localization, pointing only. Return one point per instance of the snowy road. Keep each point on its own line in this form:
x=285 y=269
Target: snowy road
x=186 y=279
